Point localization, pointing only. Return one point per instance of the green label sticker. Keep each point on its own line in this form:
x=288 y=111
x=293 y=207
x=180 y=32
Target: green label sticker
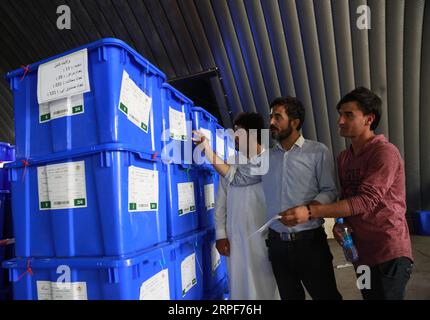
x=184 y=137
x=153 y=206
x=181 y=211
x=132 y=206
x=194 y=281
x=45 y=117
x=123 y=108
x=183 y=293
x=79 y=202
x=45 y=204
x=144 y=126
x=77 y=109
x=192 y=208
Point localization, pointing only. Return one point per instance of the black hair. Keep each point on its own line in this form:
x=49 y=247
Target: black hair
x=293 y=108
x=250 y=120
x=367 y=101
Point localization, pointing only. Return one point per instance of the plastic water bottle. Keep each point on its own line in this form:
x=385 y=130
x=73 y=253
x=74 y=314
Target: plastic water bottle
x=349 y=248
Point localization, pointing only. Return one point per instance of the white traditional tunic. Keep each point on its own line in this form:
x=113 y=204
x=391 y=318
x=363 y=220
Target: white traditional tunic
x=240 y=212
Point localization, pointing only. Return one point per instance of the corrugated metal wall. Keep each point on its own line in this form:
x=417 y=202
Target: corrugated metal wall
x=263 y=48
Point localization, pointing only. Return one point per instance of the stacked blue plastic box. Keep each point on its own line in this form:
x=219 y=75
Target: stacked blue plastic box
x=191 y=198
x=215 y=271
x=7 y=154
x=98 y=214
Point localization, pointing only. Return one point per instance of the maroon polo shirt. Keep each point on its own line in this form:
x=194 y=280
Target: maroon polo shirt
x=373 y=183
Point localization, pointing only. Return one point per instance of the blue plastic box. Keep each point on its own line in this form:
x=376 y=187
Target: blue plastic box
x=4 y=234
x=7 y=154
x=220 y=292
x=182 y=220
x=4 y=180
x=102 y=222
x=188 y=266
x=102 y=118
x=214 y=265
x=4 y=288
x=422 y=223
x=147 y=275
x=177 y=126
x=4 y=198
x=202 y=119
x=208 y=187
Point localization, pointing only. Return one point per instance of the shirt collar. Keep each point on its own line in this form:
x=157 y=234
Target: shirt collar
x=257 y=158
x=299 y=143
x=254 y=160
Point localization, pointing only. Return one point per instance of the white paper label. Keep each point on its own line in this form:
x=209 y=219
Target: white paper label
x=47 y=290
x=188 y=273
x=186 y=201
x=177 y=125
x=2 y=163
x=44 y=291
x=142 y=189
x=63 y=77
x=209 y=196
x=231 y=152
x=64 y=107
x=134 y=103
x=220 y=147
x=208 y=134
x=156 y=287
x=62 y=186
x=216 y=258
x=69 y=291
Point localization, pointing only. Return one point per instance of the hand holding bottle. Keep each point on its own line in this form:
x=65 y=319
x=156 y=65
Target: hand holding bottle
x=342 y=232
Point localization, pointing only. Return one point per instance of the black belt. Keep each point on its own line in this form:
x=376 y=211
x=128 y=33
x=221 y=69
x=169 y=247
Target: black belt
x=290 y=236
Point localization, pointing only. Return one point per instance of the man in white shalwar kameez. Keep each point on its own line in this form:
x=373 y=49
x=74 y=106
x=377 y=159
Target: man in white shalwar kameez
x=239 y=213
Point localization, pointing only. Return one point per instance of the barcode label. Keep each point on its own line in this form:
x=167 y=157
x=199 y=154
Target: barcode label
x=142 y=189
x=61 y=108
x=59 y=203
x=55 y=190
x=134 y=118
x=56 y=113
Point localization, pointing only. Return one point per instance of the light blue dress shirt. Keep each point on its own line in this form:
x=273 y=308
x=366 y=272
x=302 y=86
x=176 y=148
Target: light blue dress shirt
x=294 y=177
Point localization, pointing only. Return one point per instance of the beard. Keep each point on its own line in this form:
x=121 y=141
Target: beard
x=280 y=135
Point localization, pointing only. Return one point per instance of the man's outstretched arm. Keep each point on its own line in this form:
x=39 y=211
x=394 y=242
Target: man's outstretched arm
x=203 y=144
x=238 y=176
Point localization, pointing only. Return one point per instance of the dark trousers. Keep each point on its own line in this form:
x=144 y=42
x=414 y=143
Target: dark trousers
x=307 y=261
x=388 y=280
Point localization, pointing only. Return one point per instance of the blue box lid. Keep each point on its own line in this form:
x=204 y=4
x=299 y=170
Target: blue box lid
x=100 y=43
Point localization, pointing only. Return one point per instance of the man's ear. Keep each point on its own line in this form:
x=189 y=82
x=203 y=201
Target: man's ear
x=295 y=123
x=369 y=119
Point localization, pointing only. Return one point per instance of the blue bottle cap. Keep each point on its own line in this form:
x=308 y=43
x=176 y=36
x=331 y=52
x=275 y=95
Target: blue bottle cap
x=339 y=220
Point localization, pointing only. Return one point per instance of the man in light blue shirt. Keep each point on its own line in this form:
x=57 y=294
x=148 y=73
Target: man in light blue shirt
x=300 y=175
x=300 y=172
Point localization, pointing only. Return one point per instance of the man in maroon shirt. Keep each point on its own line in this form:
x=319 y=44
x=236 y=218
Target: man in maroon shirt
x=372 y=178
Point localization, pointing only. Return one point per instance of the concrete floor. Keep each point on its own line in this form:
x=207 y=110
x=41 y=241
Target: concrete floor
x=418 y=286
